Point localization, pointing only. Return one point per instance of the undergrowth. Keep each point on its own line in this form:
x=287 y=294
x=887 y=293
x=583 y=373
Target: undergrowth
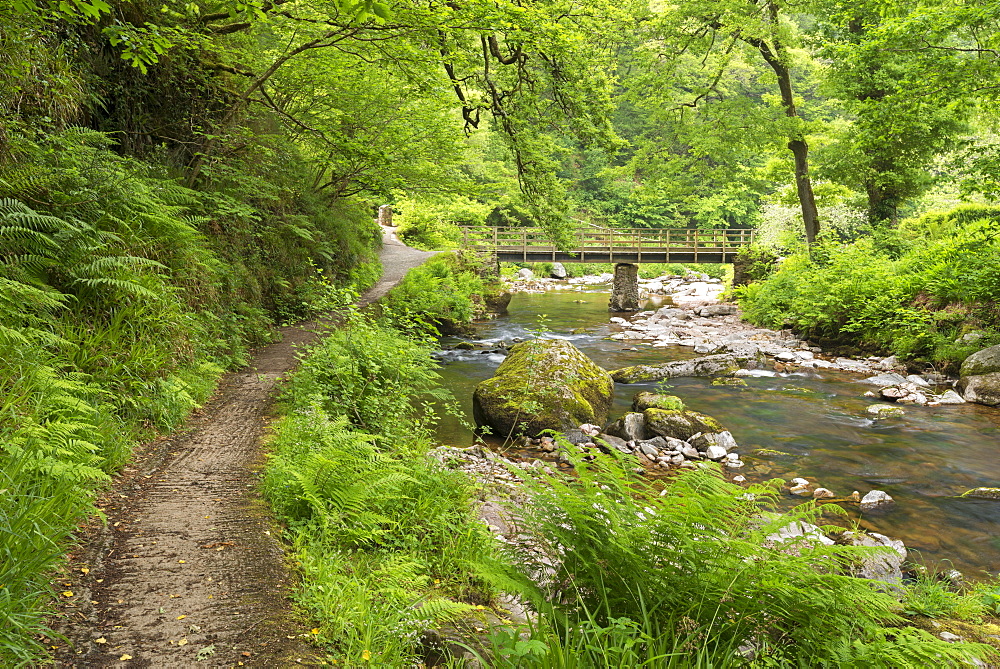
x=385 y=536
x=123 y=297
x=927 y=292
x=446 y=292
x=690 y=575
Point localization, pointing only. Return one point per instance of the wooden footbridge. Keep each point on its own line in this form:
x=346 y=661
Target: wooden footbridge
x=602 y=245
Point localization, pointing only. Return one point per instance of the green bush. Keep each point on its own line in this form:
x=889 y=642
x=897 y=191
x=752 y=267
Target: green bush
x=446 y=290
x=914 y=297
x=433 y=224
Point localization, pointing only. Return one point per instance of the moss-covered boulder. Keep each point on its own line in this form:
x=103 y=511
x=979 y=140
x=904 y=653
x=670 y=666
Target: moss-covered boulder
x=543 y=384
x=648 y=400
x=986 y=361
x=680 y=424
x=981 y=389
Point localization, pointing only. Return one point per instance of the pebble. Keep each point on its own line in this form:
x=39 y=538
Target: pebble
x=877 y=500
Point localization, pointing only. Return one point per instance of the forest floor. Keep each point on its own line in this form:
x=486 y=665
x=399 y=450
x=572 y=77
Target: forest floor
x=186 y=569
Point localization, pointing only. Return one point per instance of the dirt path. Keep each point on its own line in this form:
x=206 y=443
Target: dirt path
x=187 y=570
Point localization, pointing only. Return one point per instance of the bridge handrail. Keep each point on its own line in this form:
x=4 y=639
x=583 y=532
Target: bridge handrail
x=622 y=240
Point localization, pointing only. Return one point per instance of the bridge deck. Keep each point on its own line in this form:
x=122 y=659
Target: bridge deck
x=635 y=245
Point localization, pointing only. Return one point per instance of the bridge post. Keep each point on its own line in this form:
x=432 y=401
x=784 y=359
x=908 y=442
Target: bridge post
x=625 y=288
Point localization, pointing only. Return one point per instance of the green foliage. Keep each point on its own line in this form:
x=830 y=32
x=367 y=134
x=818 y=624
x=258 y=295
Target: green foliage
x=385 y=535
x=434 y=224
x=448 y=290
x=912 y=293
x=643 y=573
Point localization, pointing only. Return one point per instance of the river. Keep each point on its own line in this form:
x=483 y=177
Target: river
x=924 y=459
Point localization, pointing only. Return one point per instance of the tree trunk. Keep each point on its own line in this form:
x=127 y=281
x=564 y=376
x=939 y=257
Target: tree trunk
x=777 y=58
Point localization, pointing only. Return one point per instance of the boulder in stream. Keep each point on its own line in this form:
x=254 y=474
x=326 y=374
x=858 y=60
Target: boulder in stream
x=877 y=501
x=986 y=361
x=680 y=424
x=720 y=364
x=981 y=389
x=543 y=384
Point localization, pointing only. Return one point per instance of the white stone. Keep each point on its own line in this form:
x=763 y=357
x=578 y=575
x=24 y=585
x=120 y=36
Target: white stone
x=877 y=500
x=822 y=493
x=714 y=452
x=525 y=274
x=917 y=380
x=950 y=397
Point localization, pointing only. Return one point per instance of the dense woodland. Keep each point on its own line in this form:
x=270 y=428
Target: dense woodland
x=178 y=177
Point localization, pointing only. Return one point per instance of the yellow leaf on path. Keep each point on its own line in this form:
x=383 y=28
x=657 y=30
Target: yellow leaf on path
x=182 y=642
x=181 y=617
x=100 y=640
x=125 y=657
x=181 y=561
x=84 y=570
x=67 y=593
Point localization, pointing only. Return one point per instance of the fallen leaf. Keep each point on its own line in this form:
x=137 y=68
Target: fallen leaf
x=125 y=657
x=181 y=617
x=100 y=640
x=245 y=653
x=84 y=570
x=182 y=642
x=67 y=593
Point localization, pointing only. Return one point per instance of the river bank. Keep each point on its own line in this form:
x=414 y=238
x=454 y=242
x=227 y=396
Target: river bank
x=790 y=420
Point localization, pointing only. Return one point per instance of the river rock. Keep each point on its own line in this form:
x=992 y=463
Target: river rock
x=883 y=565
x=497 y=302
x=543 y=384
x=558 y=271
x=611 y=441
x=719 y=364
x=877 y=500
x=680 y=424
x=718 y=310
x=887 y=379
x=982 y=389
x=525 y=273
x=986 y=361
x=884 y=411
x=648 y=400
x=950 y=397
x=631 y=426
x=714 y=452
x=799 y=530
x=705 y=440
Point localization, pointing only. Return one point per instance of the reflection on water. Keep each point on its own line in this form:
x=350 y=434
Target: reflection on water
x=923 y=459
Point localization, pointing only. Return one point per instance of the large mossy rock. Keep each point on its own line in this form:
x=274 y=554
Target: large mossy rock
x=982 y=362
x=981 y=389
x=543 y=384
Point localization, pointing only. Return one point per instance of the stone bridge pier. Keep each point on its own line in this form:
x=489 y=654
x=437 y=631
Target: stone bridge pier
x=625 y=288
